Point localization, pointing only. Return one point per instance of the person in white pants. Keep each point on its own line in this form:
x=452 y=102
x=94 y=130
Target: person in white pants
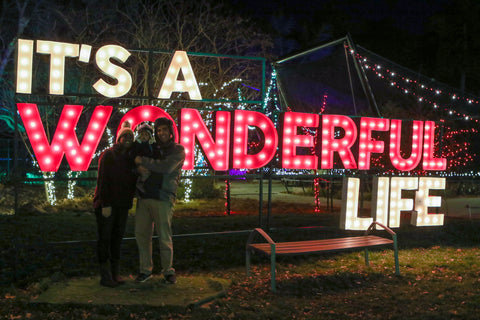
x=155 y=204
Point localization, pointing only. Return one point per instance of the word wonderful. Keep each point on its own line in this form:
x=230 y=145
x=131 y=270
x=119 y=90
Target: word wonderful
x=226 y=146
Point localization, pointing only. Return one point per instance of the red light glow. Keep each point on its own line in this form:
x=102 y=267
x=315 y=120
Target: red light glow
x=290 y=159
x=341 y=145
x=217 y=153
x=146 y=113
x=243 y=119
x=65 y=139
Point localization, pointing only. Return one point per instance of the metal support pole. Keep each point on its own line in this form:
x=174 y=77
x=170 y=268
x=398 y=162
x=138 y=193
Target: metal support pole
x=15 y=175
x=260 y=200
x=227 y=191
x=269 y=213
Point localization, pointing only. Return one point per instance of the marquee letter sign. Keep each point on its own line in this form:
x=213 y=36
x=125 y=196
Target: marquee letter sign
x=225 y=141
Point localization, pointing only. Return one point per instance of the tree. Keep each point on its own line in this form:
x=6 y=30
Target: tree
x=148 y=27
x=456 y=43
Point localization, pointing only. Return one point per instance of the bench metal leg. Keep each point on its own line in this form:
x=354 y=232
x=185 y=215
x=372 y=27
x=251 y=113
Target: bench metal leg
x=247 y=262
x=272 y=268
x=367 y=262
x=395 y=249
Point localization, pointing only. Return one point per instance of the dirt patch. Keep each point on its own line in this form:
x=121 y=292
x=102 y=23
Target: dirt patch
x=188 y=291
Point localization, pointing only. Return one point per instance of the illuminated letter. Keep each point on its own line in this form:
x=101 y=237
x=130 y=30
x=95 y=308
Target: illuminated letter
x=421 y=217
x=65 y=139
x=58 y=51
x=146 y=113
x=290 y=159
x=398 y=204
x=380 y=197
x=241 y=158
x=123 y=77
x=349 y=210
x=366 y=144
x=429 y=162
x=342 y=145
x=172 y=84
x=24 y=66
x=217 y=153
x=395 y=144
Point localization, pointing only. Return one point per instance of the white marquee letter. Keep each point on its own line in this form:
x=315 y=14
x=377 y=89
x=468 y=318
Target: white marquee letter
x=24 y=66
x=397 y=203
x=103 y=56
x=172 y=84
x=420 y=216
x=58 y=51
x=349 y=210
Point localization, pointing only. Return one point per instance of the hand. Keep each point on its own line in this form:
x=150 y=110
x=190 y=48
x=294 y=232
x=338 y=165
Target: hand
x=106 y=212
x=142 y=171
x=138 y=160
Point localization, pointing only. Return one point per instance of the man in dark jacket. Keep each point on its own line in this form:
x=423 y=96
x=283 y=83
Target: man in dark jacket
x=154 y=206
x=113 y=198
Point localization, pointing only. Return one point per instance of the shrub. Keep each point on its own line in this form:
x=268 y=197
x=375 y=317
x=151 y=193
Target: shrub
x=203 y=188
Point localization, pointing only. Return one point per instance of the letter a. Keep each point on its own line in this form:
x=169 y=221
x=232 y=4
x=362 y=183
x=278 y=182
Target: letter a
x=172 y=84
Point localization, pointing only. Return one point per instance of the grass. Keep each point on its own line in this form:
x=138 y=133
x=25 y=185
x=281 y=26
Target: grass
x=440 y=268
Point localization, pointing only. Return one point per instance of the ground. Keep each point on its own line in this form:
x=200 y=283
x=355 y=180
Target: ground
x=46 y=249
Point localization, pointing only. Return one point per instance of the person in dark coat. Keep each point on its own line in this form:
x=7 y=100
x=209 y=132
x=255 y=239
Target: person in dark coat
x=113 y=198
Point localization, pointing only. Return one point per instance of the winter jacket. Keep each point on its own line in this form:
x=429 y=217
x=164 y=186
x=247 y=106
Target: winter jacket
x=142 y=149
x=166 y=168
x=116 y=179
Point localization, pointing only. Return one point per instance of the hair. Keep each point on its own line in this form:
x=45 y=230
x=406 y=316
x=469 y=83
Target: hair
x=165 y=122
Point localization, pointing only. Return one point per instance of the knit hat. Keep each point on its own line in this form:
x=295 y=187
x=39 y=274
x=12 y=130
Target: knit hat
x=144 y=126
x=125 y=129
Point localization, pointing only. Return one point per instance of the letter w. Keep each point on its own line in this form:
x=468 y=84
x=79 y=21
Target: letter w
x=49 y=156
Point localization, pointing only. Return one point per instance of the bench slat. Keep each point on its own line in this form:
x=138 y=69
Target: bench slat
x=300 y=247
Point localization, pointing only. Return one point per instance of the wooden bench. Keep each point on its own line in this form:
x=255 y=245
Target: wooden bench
x=273 y=249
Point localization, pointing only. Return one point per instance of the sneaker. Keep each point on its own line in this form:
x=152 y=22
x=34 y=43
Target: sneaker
x=171 y=279
x=142 y=277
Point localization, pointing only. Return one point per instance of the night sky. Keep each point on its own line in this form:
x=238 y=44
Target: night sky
x=395 y=29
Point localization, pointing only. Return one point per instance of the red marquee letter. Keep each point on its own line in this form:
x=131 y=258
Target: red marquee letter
x=290 y=159
x=241 y=158
x=395 y=143
x=146 y=113
x=217 y=153
x=366 y=144
x=341 y=145
x=429 y=161
x=65 y=139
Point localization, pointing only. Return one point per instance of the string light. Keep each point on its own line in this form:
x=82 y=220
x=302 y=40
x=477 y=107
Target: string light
x=50 y=187
x=72 y=181
x=397 y=80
